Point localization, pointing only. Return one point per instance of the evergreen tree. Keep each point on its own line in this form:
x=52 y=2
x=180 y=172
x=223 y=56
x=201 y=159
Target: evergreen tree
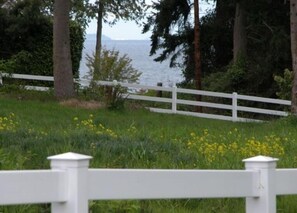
x=261 y=33
x=172 y=32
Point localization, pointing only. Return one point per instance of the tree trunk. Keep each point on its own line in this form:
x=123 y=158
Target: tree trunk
x=293 y=19
x=63 y=76
x=100 y=12
x=239 y=33
x=197 y=56
x=219 y=21
x=99 y=28
x=221 y=42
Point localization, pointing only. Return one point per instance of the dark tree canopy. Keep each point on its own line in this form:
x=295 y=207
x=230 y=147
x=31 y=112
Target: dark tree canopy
x=267 y=29
x=169 y=25
x=22 y=23
x=26 y=34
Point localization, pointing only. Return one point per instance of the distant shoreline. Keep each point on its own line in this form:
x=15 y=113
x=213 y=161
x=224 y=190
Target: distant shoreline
x=92 y=36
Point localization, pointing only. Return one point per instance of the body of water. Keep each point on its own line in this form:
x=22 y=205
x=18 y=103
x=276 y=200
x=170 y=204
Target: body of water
x=138 y=50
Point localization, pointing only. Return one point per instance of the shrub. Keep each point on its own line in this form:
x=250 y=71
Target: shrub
x=111 y=66
x=232 y=79
x=285 y=84
x=16 y=63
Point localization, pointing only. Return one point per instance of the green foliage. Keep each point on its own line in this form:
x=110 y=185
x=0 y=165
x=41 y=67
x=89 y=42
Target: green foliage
x=27 y=40
x=16 y=63
x=216 y=39
x=111 y=66
x=173 y=35
x=285 y=84
x=76 y=46
x=23 y=24
x=170 y=15
x=232 y=80
x=39 y=60
x=268 y=43
x=236 y=74
x=128 y=10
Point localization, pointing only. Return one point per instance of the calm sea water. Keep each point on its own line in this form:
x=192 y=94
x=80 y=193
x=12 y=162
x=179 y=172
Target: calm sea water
x=138 y=50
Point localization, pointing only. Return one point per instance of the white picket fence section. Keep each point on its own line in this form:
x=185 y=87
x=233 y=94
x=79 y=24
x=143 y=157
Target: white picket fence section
x=234 y=107
x=70 y=184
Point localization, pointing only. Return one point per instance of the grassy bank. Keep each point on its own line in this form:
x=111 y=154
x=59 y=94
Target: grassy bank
x=31 y=130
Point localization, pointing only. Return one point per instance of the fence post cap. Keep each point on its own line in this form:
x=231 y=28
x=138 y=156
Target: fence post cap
x=260 y=162
x=260 y=159
x=70 y=156
x=69 y=160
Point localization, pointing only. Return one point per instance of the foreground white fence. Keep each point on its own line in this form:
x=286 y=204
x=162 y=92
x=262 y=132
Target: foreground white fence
x=70 y=184
x=234 y=107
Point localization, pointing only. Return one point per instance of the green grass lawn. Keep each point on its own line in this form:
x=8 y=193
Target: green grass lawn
x=31 y=130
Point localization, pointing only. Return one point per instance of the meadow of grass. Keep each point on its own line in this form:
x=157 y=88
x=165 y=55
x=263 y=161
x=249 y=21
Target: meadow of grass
x=31 y=130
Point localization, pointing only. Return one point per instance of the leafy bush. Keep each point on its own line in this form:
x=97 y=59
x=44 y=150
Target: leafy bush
x=111 y=66
x=16 y=63
x=231 y=80
x=285 y=84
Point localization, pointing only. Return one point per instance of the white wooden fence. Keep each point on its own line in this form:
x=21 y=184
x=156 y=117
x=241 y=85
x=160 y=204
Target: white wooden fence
x=70 y=184
x=28 y=77
x=234 y=107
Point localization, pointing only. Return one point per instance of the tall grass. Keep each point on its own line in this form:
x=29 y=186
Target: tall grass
x=31 y=130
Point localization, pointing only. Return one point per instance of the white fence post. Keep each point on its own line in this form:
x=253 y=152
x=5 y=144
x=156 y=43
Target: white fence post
x=234 y=106
x=174 y=98
x=266 y=202
x=115 y=83
x=76 y=168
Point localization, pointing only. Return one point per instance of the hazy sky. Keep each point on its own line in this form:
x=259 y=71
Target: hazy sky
x=122 y=30
x=129 y=30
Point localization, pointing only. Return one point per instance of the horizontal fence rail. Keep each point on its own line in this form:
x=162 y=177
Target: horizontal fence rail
x=284 y=179
x=70 y=184
x=170 y=184
x=232 y=105
x=28 y=77
x=21 y=187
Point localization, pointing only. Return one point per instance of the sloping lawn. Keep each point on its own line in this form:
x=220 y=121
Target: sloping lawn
x=31 y=130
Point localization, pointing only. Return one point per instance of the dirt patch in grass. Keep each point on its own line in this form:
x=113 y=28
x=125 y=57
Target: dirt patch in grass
x=82 y=104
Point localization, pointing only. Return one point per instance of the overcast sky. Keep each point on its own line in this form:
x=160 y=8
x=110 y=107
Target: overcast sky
x=121 y=31
x=128 y=30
